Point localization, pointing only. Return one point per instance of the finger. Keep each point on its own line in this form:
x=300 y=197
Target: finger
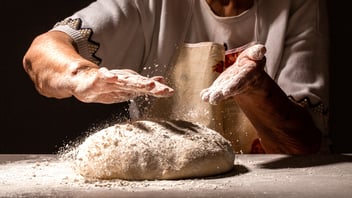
x=159 y=79
x=204 y=95
x=136 y=83
x=215 y=97
x=161 y=90
x=255 y=52
x=147 y=87
x=131 y=82
x=214 y=94
x=124 y=72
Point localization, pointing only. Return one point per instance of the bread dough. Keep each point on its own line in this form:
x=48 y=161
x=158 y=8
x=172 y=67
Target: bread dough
x=149 y=150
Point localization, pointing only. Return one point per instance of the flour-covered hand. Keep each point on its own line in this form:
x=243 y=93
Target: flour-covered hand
x=118 y=85
x=240 y=77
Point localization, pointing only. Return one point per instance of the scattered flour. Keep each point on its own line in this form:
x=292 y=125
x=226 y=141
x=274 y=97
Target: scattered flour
x=56 y=175
x=53 y=176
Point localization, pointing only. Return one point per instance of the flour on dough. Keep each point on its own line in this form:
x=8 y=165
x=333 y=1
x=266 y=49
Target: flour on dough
x=149 y=150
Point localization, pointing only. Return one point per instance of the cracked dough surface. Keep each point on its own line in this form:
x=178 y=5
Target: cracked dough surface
x=149 y=150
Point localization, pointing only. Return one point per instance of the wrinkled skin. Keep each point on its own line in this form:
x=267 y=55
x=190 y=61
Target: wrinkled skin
x=58 y=71
x=118 y=85
x=282 y=125
x=238 y=78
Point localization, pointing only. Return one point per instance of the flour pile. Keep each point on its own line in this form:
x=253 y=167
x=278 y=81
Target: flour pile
x=149 y=150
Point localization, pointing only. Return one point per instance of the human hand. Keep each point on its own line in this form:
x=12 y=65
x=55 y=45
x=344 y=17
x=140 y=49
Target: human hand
x=240 y=77
x=118 y=85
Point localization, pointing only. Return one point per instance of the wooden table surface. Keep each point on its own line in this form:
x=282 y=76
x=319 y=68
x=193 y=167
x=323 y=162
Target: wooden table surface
x=253 y=176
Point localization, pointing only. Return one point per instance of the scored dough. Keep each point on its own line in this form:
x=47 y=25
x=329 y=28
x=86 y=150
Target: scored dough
x=148 y=150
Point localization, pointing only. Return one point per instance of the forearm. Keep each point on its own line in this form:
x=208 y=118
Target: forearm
x=52 y=62
x=282 y=125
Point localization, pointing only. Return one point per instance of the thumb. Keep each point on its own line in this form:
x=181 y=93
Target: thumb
x=255 y=52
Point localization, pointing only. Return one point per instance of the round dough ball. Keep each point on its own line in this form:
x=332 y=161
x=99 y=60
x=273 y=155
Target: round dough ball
x=149 y=150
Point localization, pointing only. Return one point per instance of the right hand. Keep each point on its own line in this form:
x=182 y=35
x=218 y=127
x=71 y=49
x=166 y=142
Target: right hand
x=101 y=85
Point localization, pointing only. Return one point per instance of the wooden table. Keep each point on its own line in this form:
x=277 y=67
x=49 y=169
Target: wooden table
x=252 y=176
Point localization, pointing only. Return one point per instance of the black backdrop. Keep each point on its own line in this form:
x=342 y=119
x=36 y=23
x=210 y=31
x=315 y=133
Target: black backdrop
x=31 y=123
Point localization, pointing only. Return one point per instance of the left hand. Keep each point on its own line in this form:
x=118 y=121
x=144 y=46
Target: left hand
x=239 y=78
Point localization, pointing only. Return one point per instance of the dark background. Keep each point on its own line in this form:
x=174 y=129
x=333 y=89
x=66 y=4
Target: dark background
x=31 y=123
